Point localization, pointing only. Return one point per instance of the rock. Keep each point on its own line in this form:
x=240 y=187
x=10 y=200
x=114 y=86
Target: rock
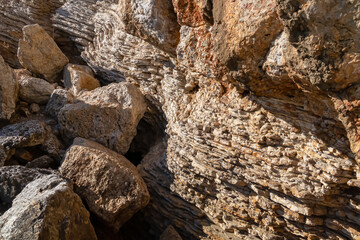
x=35 y=90
x=28 y=134
x=78 y=77
x=107 y=181
x=42 y=207
x=170 y=233
x=39 y=53
x=108 y=115
x=15 y=15
x=34 y=108
x=42 y=162
x=153 y=21
x=24 y=134
x=58 y=99
x=9 y=91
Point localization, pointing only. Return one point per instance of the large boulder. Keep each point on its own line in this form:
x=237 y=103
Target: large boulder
x=41 y=205
x=39 y=53
x=79 y=77
x=9 y=90
x=108 y=115
x=35 y=90
x=109 y=183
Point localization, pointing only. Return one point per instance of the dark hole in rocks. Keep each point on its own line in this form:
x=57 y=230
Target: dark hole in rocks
x=148 y=133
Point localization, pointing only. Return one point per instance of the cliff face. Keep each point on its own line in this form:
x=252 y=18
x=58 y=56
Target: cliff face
x=254 y=108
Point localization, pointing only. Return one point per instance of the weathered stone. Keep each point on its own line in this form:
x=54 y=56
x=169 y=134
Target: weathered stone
x=108 y=115
x=14 y=15
x=43 y=206
x=58 y=99
x=111 y=185
x=78 y=77
x=170 y=233
x=35 y=90
x=153 y=21
x=9 y=91
x=39 y=53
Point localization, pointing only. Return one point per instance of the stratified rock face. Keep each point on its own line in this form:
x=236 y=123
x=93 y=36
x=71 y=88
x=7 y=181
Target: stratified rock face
x=35 y=90
x=108 y=115
x=262 y=109
x=9 y=90
x=111 y=185
x=261 y=104
x=39 y=53
x=41 y=205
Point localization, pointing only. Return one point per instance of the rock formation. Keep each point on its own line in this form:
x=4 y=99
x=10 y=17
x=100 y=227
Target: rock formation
x=252 y=106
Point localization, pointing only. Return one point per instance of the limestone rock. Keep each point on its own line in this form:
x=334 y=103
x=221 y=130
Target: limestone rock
x=39 y=53
x=42 y=207
x=9 y=90
x=35 y=90
x=78 y=77
x=153 y=21
x=107 y=181
x=108 y=115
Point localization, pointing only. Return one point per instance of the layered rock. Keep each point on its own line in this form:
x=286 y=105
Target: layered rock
x=14 y=15
x=111 y=185
x=254 y=142
x=42 y=206
x=108 y=115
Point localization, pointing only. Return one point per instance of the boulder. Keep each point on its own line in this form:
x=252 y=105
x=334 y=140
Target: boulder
x=9 y=90
x=79 y=77
x=35 y=90
x=41 y=205
x=109 y=183
x=109 y=115
x=58 y=99
x=39 y=53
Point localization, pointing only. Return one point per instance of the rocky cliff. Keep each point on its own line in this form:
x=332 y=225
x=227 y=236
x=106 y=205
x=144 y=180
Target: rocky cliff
x=251 y=127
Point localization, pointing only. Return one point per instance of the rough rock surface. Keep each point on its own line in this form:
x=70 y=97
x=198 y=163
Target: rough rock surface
x=14 y=15
x=41 y=205
x=9 y=90
x=57 y=100
x=109 y=115
x=35 y=90
x=260 y=104
x=110 y=184
x=39 y=53
x=79 y=77
x=170 y=233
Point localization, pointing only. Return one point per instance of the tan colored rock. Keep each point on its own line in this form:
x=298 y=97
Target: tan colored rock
x=39 y=53
x=9 y=90
x=78 y=77
x=35 y=90
x=108 y=182
x=43 y=206
x=109 y=115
